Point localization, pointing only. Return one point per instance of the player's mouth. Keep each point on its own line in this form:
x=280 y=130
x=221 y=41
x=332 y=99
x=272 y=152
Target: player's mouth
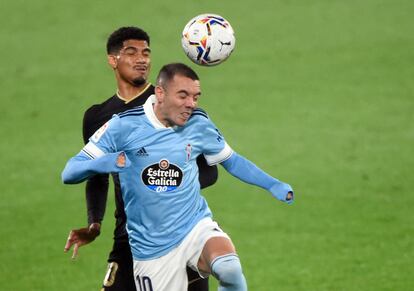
x=141 y=69
x=186 y=115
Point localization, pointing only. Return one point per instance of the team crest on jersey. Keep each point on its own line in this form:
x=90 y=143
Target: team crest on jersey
x=188 y=150
x=162 y=177
x=97 y=135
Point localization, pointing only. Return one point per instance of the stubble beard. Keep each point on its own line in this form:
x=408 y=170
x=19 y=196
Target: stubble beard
x=139 y=81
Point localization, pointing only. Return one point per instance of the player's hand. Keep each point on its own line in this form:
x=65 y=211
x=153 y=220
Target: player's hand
x=81 y=236
x=289 y=196
x=282 y=192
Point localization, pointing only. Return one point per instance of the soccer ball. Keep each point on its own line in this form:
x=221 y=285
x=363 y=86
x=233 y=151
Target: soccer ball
x=208 y=39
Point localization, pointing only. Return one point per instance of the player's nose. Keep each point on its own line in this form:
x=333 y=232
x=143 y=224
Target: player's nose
x=191 y=103
x=140 y=59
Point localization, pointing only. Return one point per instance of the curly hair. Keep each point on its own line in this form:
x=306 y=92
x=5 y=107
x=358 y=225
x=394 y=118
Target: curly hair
x=117 y=38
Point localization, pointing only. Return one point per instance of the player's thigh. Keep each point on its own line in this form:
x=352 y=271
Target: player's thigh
x=203 y=234
x=119 y=276
x=213 y=248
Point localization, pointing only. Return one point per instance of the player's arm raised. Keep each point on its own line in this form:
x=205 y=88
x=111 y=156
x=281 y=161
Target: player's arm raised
x=81 y=167
x=248 y=172
x=216 y=150
x=98 y=156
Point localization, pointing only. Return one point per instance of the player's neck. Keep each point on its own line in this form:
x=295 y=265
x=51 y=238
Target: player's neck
x=128 y=92
x=160 y=116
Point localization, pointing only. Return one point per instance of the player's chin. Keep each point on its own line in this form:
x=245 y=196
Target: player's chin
x=139 y=80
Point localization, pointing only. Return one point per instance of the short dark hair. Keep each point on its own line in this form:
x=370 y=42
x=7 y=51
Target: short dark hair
x=117 y=38
x=168 y=72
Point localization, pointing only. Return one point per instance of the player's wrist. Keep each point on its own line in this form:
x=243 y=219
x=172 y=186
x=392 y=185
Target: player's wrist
x=94 y=229
x=282 y=192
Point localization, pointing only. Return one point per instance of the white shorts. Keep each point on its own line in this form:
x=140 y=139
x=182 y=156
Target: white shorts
x=168 y=273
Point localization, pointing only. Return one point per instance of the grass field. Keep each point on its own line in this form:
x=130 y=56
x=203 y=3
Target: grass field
x=318 y=93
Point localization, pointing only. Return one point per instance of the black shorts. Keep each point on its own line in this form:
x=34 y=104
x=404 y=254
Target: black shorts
x=120 y=273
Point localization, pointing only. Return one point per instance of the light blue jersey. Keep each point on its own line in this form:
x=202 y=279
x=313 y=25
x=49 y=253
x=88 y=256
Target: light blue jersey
x=160 y=189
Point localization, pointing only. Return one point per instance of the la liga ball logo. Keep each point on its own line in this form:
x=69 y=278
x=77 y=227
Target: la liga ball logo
x=162 y=177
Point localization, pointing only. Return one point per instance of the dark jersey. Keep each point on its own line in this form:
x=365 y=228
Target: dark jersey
x=97 y=186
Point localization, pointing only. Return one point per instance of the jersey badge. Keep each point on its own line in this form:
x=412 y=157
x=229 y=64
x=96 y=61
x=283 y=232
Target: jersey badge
x=188 y=150
x=98 y=134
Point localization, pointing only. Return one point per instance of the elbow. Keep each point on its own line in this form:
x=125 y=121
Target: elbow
x=67 y=178
x=75 y=171
x=68 y=175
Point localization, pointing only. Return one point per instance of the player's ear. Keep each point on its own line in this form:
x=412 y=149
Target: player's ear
x=159 y=93
x=113 y=61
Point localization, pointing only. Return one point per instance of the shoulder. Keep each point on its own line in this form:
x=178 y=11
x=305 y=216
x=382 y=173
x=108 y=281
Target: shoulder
x=102 y=105
x=136 y=111
x=129 y=120
x=91 y=111
x=96 y=109
x=199 y=113
x=200 y=120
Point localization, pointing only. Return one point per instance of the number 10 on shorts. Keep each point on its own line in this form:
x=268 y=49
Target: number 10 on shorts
x=144 y=283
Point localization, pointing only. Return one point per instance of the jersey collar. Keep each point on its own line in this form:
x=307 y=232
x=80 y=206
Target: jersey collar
x=126 y=101
x=149 y=112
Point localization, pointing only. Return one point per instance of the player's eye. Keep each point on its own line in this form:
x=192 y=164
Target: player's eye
x=130 y=51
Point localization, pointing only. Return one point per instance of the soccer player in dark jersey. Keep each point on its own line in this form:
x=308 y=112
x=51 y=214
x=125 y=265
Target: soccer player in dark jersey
x=129 y=55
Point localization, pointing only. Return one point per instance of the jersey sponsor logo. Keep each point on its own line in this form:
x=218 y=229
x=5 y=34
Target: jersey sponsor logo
x=162 y=177
x=97 y=135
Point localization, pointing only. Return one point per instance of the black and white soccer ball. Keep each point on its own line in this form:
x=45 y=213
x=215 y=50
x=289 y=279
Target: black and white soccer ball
x=208 y=39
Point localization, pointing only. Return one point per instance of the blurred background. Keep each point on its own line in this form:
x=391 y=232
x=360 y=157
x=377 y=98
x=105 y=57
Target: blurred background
x=317 y=93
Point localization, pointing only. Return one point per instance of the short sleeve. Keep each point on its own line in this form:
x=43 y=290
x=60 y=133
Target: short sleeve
x=215 y=147
x=105 y=139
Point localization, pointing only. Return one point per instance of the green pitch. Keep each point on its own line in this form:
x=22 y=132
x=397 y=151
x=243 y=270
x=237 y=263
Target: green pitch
x=318 y=93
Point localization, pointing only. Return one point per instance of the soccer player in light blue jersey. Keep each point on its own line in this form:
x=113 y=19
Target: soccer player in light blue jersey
x=154 y=149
